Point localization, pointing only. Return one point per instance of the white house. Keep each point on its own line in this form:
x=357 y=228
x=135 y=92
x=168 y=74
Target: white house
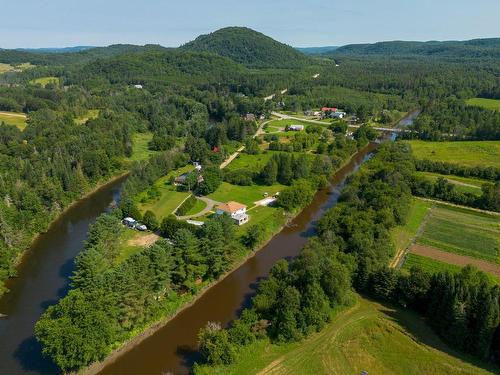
x=296 y=128
x=236 y=210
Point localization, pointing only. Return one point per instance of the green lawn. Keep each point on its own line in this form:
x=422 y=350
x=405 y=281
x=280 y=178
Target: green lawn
x=140 y=146
x=462 y=231
x=286 y=122
x=244 y=194
x=403 y=235
x=44 y=81
x=168 y=198
x=470 y=153
x=462 y=184
x=198 y=206
x=90 y=115
x=14 y=118
x=368 y=336
x=493 y=104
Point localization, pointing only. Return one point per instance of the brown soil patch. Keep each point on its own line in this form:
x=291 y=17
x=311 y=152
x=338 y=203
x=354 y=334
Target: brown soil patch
x=144 y=241
x=456 y=259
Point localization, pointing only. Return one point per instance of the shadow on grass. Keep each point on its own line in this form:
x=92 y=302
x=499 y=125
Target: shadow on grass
x=415 y=325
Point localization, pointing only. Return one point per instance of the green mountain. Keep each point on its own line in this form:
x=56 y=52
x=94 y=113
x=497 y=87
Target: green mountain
x=248 y=47
x=15 y=56
x=476 y=48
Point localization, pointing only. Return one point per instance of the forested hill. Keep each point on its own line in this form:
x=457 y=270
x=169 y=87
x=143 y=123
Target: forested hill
x=248 y=47
x=9 y=56
x=476 y=48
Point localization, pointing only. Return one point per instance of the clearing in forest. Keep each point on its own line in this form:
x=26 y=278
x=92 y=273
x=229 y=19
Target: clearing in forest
x=493 y=104
x=14 y=118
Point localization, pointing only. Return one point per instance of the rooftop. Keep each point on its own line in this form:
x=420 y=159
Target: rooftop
x=231 y=207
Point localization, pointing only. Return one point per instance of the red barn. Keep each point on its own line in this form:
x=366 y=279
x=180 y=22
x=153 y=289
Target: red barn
x=326 y=109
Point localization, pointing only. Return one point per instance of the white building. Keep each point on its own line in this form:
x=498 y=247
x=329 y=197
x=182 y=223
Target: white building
x=236 y=210
x=296 y=128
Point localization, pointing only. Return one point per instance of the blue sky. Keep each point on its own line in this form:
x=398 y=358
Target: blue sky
x=58 y=23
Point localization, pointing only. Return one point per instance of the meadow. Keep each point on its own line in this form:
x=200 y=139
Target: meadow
x=463 y=232
x=13 y=118
x=492 y=104
x=468 y=153
x=428 y=264
x=368 y=337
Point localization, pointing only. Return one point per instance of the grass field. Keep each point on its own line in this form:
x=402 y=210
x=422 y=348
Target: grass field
x=463 y=232
x=243 y=194
x=198 y=206
x=368 y=336
x=493 y=104
x=4 y=68
x=140 y=146
x=248 y=162
x=470 y=153
x=403 y=235
x=14 y=118
x=90 y=115
x=44 y=81
x=168 y=199
x=462 y=184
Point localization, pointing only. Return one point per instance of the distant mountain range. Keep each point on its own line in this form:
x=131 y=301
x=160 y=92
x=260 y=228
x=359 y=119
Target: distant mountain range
x=256 y=50
x=56 y=50
x=316 y=50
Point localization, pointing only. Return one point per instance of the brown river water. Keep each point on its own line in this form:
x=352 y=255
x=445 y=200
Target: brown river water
x=44 y=272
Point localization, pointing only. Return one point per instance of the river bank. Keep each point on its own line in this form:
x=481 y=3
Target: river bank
x=151 y=330
x=26 y=252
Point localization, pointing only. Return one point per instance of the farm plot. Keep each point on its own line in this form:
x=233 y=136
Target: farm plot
x=462 y=232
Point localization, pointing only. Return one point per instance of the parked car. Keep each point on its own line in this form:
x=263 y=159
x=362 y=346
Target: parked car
x=141 y=227
x=129 y=222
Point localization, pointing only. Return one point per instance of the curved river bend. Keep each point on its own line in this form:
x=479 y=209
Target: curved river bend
x=173 y=347
x=42 y=280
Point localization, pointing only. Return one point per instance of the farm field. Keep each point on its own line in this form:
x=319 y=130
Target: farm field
x=253 y=163
x=493 y=104
x=163 y=198
x=463 y=232
x=44 y=81
x=244 y=194
x=468 y=153
x=367 y=336
x=428 y=264
x=462 y=184
x=13 y=118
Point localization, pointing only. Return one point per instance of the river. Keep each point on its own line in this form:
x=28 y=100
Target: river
x=43 y=278
x=172 y=348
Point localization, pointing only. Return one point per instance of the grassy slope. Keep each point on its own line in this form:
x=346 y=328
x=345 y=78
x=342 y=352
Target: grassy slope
x=471 y=153
x=14 y=118
x=198 y=206
x=367 y=336
x=493 y=104
x=462 y=231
